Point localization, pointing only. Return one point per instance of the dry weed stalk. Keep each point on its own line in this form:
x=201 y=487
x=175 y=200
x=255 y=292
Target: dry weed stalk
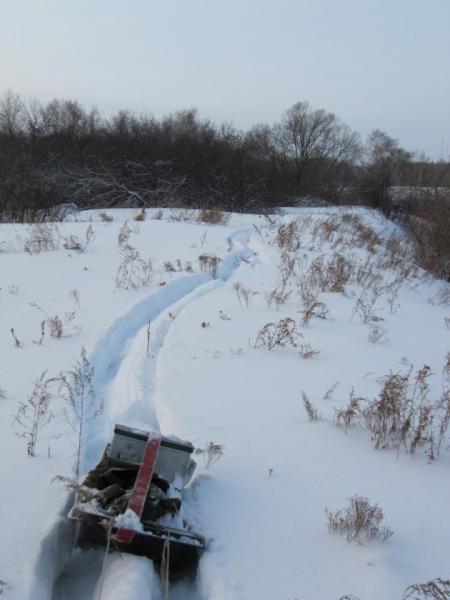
x=43 y=237
x=17 y=342
x=377 y=334
x=134 y=272
x=287 y=237
x=34 y=414
x=311 y=410
x=345 y=417
x=404 y=416
x=365 y=304
x=281 y=334
x=330 y=391
x=316 y=309
x=2 y=394
x=209 y=263
x=211 y=453
x=123 y=237
x=77 y=387
x=243 y=294
x=358 y=520
x=277 y=296
x=306 y=351
x=105 y=217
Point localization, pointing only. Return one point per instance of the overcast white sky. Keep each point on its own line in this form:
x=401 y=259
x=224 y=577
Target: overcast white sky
x=375 y=63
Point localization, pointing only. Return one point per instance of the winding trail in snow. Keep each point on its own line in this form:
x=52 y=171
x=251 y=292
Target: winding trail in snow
x=125 y=382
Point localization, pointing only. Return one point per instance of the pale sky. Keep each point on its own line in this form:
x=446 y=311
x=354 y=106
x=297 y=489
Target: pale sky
x=375 y=63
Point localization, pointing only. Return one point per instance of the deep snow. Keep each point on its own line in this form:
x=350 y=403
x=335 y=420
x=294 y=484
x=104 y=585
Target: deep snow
x=262 y=504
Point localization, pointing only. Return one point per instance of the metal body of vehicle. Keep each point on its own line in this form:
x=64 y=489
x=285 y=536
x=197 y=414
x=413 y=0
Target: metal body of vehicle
x=131 y=500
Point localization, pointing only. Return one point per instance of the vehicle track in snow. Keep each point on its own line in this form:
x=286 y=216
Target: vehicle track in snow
x=125 y=367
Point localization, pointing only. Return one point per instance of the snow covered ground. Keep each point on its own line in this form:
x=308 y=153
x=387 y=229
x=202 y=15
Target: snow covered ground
x=201 y=378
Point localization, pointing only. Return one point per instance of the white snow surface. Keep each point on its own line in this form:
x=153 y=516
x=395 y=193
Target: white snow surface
x=262 y=504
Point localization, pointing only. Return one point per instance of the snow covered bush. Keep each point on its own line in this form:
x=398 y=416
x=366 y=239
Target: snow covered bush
x=283 y=333
x=358 y=520
x=134 y=272
x=34 y=414
x=437 y=589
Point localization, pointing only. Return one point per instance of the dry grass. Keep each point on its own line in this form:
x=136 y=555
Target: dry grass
x=358 y=520
x=243 y=294
x=437 y=589
x=209 y=264
x=43 y=237
x=311 y=410
x=211 y=453
x=141 y=215
x=213 y=216
x=284 y=333
x=134 y=272
x=306 y=351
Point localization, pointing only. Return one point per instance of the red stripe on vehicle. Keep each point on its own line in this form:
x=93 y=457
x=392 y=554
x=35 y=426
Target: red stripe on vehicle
x=141 y=485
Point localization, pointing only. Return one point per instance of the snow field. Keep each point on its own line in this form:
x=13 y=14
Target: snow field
x=262 y=504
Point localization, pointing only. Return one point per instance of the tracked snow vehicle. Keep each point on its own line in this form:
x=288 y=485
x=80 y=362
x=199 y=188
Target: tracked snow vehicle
x=131 y=500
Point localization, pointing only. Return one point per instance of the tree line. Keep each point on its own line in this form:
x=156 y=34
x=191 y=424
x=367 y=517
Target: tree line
x=59 y=152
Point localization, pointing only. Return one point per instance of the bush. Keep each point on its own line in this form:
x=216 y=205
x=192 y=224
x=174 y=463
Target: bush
x=358 y=520
x=213 y=216
x=429 y=228
x=283 y=333
x=134 y=272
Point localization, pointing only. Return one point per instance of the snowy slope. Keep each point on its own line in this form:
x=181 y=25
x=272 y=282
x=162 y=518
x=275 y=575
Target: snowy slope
x=262 y=504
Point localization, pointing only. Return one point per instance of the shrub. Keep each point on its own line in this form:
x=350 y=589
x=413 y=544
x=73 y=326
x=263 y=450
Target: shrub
x=437 y=589
x=283 y=333
x=315 y=309
x=346 y=416
x=140 y=215
x=209 y=263
x=105 y=217
x=34 y=414
x=243 y=294
x=358 y=520
x=134 y=272
x=211 y=453
x=213 y=216
x=429 y=229
x=404 y=416
x=287 y=237
x=78 y=388
x=42 y=238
